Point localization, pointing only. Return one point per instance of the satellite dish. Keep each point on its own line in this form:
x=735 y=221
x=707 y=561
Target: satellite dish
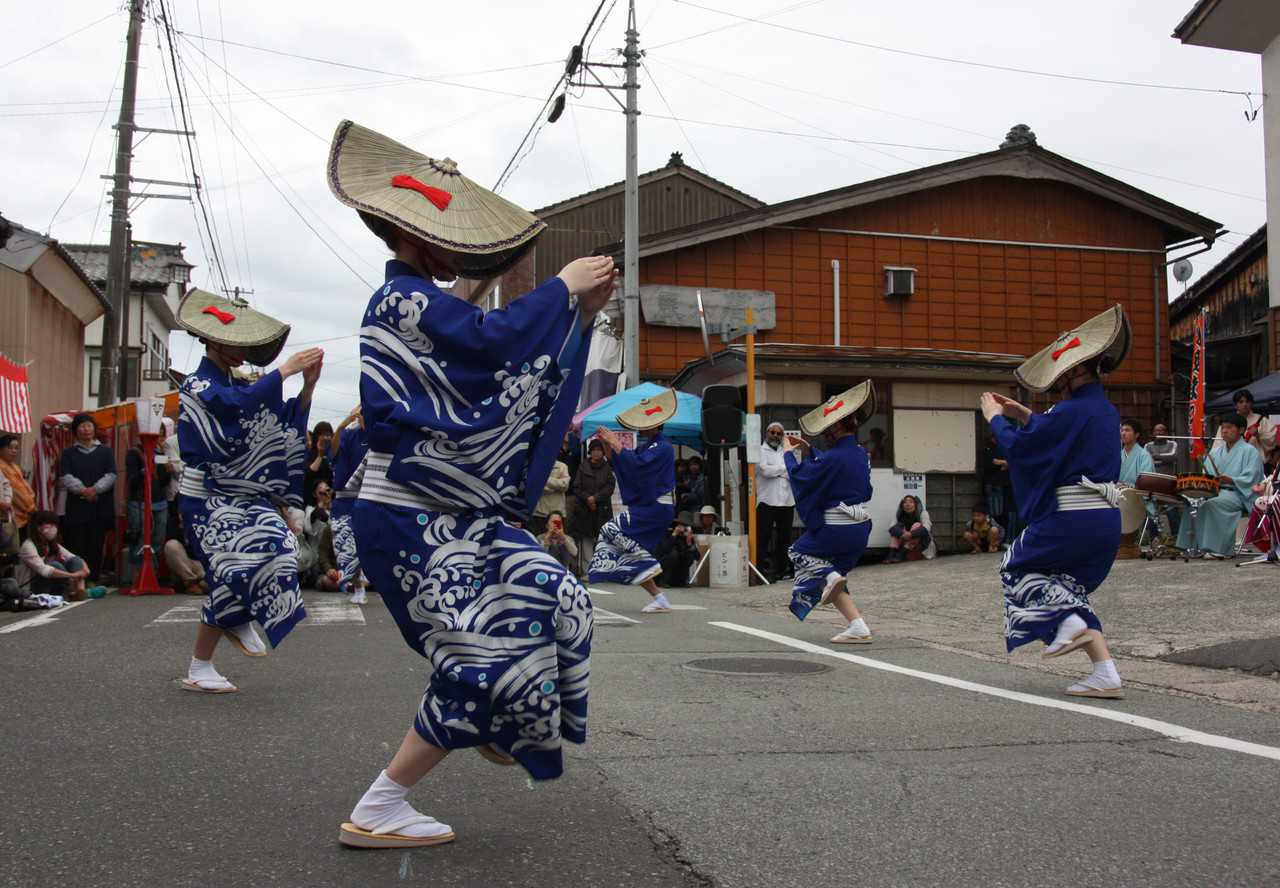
x=1182 y=270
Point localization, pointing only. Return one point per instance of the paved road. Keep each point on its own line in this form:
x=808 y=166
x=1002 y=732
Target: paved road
x=851 y=775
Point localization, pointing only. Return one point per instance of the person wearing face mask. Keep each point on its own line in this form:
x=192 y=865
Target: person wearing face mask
x=46 y=567
x=775 y=505
x=244 y=449
x=466 y=411
x=831 y=489
x=1064 y=465
x=646 y=479
x=87 y=472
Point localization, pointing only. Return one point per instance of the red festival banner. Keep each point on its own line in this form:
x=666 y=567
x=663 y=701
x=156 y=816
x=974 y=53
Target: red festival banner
x=1196 y=412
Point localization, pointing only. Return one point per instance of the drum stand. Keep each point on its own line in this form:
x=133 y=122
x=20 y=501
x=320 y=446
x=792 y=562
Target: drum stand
x=1193 y=509
x=1156 y=547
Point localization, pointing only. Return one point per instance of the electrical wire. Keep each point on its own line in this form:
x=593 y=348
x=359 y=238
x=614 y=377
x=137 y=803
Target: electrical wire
x=106 y=106
x=792 y=8
x=701 y=163
x=52 y=43
x=235 y=156
x=1009 y=69
x=222 y=176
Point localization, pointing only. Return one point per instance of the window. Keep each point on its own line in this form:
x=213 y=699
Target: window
x=133 y=374
x=159 y=359
x=95 y=368
x=899 y=281
x=876 y=434
x=179 y=274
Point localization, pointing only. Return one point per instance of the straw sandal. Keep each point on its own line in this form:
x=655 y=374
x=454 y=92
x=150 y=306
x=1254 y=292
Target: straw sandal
x=1084 y=690
x=1085 y=636
x=209 y=686
x=388 y=837
x=492 y=753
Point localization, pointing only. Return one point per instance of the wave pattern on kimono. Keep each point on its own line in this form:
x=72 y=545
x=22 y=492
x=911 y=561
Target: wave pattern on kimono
x=1062 y=556
x=353 y=445
x=465 y=413
x=827 y=485
x=620 y=559
x=245 y=450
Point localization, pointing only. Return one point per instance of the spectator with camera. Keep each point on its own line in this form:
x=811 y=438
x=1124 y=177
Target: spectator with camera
x=559 y=544
x=677 y=552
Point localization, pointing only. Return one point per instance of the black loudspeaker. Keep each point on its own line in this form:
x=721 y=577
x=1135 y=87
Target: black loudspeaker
x=721 y=416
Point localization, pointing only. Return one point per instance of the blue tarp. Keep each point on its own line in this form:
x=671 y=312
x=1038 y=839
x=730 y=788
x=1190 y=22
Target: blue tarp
x=685 y=429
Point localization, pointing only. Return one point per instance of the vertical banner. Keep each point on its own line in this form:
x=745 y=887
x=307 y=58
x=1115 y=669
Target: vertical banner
x=15 y=404
x=1196 y=396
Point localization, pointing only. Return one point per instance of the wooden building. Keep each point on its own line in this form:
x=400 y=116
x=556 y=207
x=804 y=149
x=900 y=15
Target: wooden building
x=1239 y=332
x=673 y=196
x=934 y=282
x=46 y=301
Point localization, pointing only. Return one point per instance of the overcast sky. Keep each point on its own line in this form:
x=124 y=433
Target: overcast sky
x=1196 y=149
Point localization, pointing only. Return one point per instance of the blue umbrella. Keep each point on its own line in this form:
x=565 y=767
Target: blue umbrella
x=685 y=428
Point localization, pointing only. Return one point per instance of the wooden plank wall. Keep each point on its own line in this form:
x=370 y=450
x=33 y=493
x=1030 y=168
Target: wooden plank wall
x=1230 y=290
x=979 y=297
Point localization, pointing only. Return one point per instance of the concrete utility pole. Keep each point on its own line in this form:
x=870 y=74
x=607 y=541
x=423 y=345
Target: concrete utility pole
x=110 y=377
x=631 y=214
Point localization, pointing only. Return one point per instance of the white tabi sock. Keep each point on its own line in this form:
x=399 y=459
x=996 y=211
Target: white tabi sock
x=858 y=627
x=202 y=670
x=661 y=598
x=1068 y=629
x=1104 y=675
x=384 y=803
x=249 y=638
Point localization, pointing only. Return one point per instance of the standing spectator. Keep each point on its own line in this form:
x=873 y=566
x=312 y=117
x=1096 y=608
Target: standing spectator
x=677 y=553
x=775 y=506
x=135 y=464
x=87 y=472
x=552 y=499
x=8 y=528
x=682 y=479
x=559 y=545
x=571 y=454
x=995 y=481
x=697 y=495
x=22 y=499
x=318 y=466
x=911 y=536
x=1259 y=430
x=982 y=533
x=1164 y=451
x=591 y=500
x=45 y=566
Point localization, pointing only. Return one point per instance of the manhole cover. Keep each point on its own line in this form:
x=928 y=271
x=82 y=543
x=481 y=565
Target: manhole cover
x=755 y=666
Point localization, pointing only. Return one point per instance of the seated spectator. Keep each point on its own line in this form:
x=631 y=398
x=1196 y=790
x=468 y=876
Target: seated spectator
x=677 y=553
x=308 y=552
x=982 y=533
x=45 y=567
x=552 y=499
x=328 y=576
x=709 y=522
x=911 y=536
x=318 y=514
x=185 y=572
x=559 y=544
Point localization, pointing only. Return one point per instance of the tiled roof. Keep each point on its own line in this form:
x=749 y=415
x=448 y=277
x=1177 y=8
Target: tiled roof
x=151 y=262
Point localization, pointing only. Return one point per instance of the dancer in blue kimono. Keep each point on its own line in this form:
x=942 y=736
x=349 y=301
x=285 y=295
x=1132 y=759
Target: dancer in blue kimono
x=465 y=412
x=646 y=482
x=1064 y=465
x=1238 y=467
x=244 y=449
x=350 y=444
x=831 y=488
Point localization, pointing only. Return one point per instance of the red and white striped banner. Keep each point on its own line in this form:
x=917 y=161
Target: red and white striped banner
x=15 y=405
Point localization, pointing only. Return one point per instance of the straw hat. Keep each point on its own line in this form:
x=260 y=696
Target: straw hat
x=429 y=198
x=232 y=322
x=858 y=402
x=650 y=413
x=1104 y=336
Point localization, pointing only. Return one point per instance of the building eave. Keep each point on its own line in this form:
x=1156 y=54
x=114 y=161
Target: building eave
x=653 y=176
x=1255 y=243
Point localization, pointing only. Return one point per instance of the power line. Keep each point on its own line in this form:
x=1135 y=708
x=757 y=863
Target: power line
x=217 y=153
x=106 y=106
x=792 y=8
x=969 y=62
x=27 y=55
x=235 y=156
x=702 y=163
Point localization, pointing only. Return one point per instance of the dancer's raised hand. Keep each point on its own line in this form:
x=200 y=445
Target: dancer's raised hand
x=299 y=362
x=584 y=275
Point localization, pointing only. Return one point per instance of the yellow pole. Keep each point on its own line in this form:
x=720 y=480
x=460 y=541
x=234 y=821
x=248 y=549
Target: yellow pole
x=751 y=468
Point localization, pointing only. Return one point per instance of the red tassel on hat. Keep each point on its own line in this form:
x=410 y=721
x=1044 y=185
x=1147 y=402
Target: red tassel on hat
x=827 y=411
x=1070 y=345
x=225 y=316
x=653 y=410
x=437 y=196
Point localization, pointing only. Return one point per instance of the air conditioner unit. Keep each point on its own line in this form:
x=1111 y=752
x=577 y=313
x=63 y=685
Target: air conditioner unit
x=899 y=280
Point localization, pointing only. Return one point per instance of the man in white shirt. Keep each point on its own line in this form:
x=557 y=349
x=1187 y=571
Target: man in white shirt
x=1259 y=430
x=775 y=506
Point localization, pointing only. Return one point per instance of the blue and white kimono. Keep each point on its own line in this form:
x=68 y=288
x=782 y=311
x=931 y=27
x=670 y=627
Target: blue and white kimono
x=245 y=450
x=465 y=412
x=646 y=482
x=353 y=444
x=830 y=488
x=1073 y=530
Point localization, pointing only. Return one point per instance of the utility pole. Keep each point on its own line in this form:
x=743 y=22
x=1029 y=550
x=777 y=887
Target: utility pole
x=631 y=213
x=110 y=377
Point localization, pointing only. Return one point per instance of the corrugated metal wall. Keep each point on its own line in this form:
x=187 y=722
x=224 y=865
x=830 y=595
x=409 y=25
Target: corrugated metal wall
x=669 y=203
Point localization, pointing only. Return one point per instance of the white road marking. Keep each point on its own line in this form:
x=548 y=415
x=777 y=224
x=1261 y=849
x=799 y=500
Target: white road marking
x=610 y=617
x=1174 y=732
x=687 y=607
x=600 y=591
x=317 y=615
x=41 y=619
